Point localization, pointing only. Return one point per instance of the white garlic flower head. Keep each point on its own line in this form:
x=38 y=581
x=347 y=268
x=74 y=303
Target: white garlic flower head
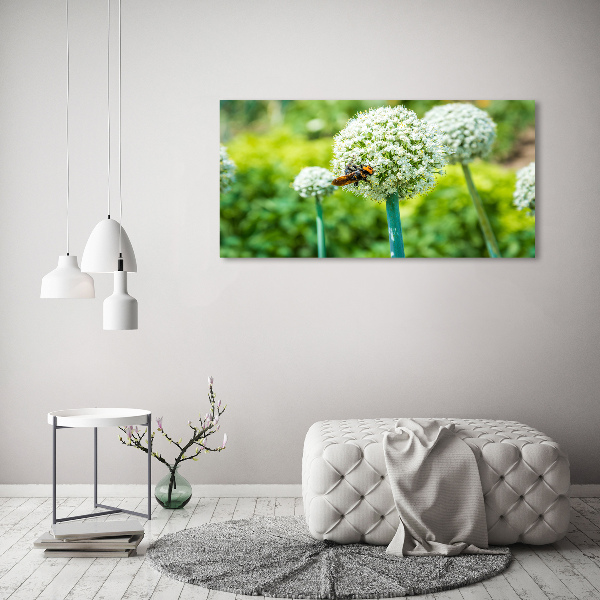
x=467 y=131
x=404 y=151
x=524 y=196
x=314 y=181
x=227 y=170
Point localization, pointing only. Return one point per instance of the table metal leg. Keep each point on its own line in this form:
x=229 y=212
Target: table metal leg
x=95 y=467
x=110 y=509
x=149 y=434
x=54 y=470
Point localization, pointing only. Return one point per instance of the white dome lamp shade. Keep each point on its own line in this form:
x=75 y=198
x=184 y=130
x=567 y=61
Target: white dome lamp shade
x=67 y=281
x=102 y=248
x=120 y=310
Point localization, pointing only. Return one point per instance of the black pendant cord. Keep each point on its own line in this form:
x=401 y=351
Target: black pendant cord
x=120 y=192
x=67 y=122
x=108 y=105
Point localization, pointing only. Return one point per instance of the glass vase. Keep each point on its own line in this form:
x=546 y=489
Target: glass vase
x=173 y=490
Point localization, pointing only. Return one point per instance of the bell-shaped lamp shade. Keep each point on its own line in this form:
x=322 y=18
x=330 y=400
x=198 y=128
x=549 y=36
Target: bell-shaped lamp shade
x=67 y=281
x=120 y=310
x=102 y=249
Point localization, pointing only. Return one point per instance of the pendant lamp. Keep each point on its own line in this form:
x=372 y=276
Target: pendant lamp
x=67 y=281
x=108 y=239
x=120 y=310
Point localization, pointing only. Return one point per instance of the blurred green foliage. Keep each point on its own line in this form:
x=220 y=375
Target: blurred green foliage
x=263 y=216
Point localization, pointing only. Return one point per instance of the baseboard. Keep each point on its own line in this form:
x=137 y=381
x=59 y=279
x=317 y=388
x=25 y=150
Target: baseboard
x=246 y=490
x=590 y=490
x=85 y=490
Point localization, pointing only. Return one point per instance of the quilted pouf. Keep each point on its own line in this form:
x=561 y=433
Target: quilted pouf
x=347 y=499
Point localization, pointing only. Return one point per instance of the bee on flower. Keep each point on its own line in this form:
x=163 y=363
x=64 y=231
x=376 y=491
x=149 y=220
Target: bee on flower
x=403 y=154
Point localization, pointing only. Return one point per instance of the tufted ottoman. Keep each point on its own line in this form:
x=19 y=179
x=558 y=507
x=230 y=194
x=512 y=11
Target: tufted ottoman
x=347 y=498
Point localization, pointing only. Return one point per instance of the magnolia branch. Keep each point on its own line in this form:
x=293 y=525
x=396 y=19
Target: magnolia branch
x=209 y=425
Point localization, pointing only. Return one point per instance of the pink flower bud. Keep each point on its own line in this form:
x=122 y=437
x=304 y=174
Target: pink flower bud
x=224 y=440
x=210 y=381
x=159 y=423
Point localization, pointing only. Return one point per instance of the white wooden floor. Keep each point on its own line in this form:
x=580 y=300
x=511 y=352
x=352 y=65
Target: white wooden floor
x=567 y=569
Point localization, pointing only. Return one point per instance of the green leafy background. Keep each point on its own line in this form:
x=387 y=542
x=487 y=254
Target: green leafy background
x=270 y=141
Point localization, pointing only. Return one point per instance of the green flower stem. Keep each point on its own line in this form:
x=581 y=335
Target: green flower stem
x=320 y=229
x=392 y=206
x=486 y=228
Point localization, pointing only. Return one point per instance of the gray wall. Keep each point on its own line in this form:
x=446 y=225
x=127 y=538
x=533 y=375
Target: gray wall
x=289 y=342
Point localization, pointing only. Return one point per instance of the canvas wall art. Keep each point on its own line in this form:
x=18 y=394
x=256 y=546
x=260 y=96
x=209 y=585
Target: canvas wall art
x=377 y=179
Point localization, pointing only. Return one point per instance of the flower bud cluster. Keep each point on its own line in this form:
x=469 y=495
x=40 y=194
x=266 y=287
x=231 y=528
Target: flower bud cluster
x=467 y=131
x=314 y=181
x=524 y=196
x=227 y=170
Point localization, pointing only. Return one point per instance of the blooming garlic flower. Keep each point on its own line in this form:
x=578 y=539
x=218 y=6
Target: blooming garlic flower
x=467 y=131
x=524 y=196
x=227 y=170
x=404 y=151
x=314 y=181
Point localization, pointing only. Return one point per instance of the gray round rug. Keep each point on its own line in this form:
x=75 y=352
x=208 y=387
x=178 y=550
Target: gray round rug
x=277 y=557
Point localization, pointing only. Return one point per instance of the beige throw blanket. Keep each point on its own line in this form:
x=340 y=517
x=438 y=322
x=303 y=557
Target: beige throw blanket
x=437 y=490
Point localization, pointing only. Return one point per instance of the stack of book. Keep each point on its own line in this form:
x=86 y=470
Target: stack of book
x=114 y=539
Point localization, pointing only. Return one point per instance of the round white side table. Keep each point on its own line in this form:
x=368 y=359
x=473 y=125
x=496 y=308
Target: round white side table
x=99 y=417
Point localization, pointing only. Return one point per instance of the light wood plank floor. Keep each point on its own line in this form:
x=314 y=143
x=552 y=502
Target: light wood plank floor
x=569 y=569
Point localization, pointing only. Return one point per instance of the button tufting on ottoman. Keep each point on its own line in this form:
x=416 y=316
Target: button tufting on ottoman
x=347 y=499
